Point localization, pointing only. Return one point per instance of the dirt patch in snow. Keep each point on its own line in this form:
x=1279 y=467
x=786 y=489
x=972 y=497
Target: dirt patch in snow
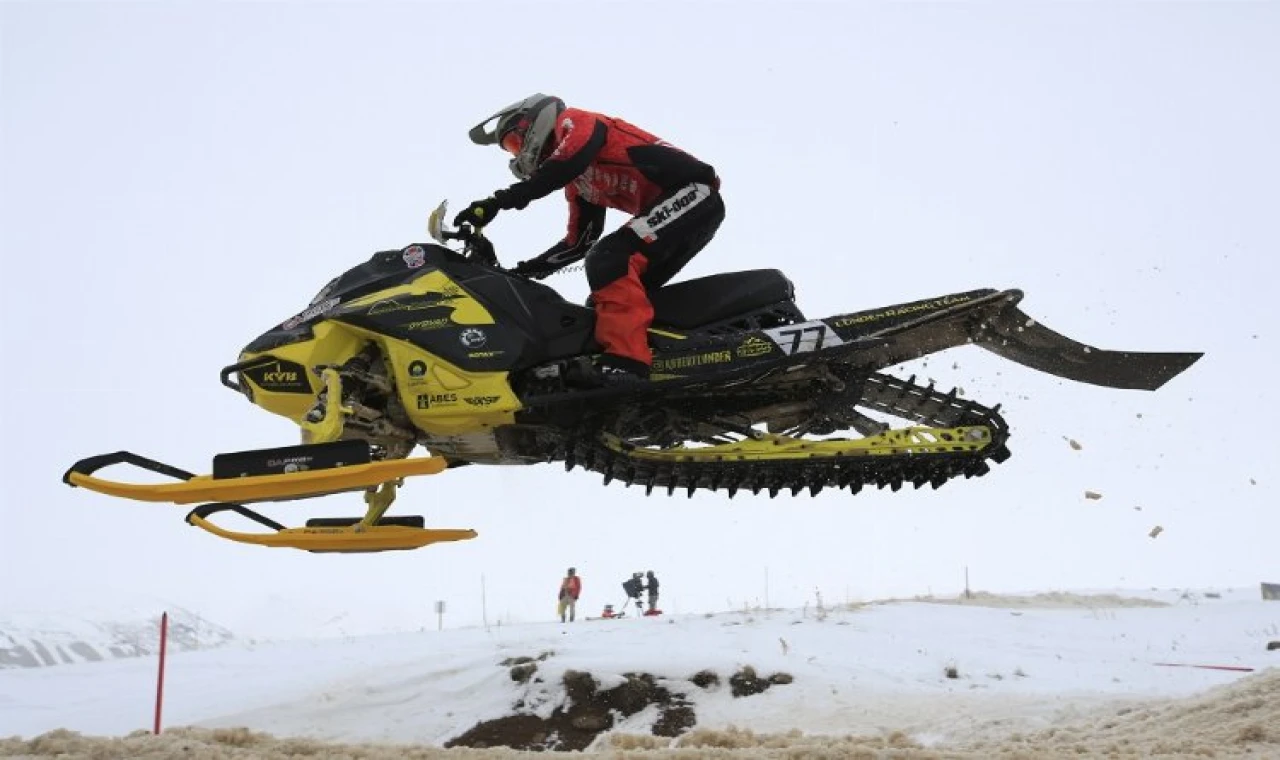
x=587 y=712
x=1234 y=721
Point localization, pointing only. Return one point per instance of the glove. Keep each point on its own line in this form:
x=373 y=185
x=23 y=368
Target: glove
x=549 y=263
x=534 y=269
x=478 y=214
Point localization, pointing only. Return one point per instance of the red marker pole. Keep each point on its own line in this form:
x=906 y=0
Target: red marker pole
x=164 y=636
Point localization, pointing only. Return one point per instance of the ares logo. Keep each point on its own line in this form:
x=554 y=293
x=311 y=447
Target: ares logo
x=481 y=400
x=280 y=376
x=428 y=400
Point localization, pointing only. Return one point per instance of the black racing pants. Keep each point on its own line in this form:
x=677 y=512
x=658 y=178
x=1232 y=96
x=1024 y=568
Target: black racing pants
x=642 y=255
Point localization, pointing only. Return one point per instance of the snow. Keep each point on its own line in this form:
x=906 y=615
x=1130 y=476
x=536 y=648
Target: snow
x=1020 y=663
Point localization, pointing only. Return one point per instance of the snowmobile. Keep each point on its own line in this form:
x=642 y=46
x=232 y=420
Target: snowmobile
x=445 y=349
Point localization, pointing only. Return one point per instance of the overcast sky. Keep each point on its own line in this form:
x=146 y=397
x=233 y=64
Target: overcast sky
x=177 y=178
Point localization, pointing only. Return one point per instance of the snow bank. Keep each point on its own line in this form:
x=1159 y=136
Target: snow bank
x=1238 y=720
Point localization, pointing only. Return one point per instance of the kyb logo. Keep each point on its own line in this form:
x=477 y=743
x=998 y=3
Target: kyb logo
x=280 y=376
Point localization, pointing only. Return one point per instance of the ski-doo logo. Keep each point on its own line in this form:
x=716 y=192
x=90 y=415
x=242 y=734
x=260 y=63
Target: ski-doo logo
x=280 y=376
x=473 y=337
x=670 y=207
x=481 y=400
x=428 y=400
x=309 y=314
x=414 y=257
x=647 y=228
x=754 y=346
x=324 y=292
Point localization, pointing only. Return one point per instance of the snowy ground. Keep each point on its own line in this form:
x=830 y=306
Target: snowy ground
x=882 y=670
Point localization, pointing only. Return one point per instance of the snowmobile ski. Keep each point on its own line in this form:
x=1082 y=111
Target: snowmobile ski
x=283 y=474
x=280 y=474
x=331 y=535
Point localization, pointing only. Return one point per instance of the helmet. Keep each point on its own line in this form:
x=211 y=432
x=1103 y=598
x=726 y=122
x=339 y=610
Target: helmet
x=572 y=570
x=523 y=129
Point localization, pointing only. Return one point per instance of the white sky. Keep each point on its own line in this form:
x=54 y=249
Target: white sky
x=178 y=177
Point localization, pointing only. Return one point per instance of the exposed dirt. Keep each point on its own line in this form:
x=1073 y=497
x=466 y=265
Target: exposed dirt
x=588 y=711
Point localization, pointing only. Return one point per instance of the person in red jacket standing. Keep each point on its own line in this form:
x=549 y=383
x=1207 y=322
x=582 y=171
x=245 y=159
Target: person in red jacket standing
x=603 y=162
x=570 y=590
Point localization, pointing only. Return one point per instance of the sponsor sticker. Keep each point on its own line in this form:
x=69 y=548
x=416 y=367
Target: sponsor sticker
x=427 y=324
x=417 y=368
x=415 y=257
x=689 y=362
x=804 y=337
x=473 y=337
x=428 y=400
x=899 y=311
x=754 y=346
x=309 y=314
x=280 y=376
x=670 y=210
x=481 y=400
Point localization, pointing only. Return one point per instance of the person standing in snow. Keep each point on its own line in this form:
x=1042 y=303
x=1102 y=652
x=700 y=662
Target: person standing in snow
x=570 y=590
x=652 y=587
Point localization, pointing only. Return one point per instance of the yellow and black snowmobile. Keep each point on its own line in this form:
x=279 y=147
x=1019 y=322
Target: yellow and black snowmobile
x=426 y=346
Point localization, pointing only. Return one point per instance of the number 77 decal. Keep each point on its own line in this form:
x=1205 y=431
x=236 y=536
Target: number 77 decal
x=804 y=337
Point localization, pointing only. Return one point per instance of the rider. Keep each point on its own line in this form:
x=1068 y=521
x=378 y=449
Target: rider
x=604 y=162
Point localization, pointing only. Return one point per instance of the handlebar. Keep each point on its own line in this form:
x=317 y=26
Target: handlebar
x=476 y=247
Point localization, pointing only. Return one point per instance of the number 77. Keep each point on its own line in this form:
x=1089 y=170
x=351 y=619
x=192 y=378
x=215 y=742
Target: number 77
x=797 y=336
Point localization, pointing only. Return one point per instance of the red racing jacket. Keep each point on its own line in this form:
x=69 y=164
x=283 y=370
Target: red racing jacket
x=603 y=162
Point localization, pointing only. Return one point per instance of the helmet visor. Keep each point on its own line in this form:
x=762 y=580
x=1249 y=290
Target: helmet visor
x=513 y=141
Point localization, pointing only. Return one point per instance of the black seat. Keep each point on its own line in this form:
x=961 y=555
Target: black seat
x=705 y=300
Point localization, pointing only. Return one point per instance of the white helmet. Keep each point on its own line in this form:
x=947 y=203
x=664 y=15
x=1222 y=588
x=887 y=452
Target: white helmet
x=524 y=129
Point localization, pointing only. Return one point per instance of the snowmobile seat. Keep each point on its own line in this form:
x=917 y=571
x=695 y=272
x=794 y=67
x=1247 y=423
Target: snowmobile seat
x=704 y=300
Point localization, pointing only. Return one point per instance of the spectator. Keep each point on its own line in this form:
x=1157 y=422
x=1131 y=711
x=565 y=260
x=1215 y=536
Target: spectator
x=570 y=590
x=653 y=591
